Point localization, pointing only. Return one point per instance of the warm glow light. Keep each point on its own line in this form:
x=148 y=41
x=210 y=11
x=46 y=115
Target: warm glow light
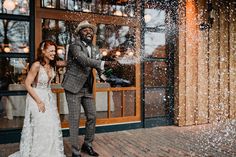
x=118 y=13
x=9 y=5
x=7 y=49
x=104 y=53
x=26 y=49
x=147 y=18
x=118 y=53
x=131 y=53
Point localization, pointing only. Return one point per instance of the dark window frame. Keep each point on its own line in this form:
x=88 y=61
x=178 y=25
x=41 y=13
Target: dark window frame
x=169 y=59
x=31 y=55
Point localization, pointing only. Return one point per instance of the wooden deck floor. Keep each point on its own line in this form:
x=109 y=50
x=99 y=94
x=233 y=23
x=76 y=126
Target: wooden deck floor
x=211 y=140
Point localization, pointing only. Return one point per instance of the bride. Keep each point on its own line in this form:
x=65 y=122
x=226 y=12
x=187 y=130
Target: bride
x=41 y=134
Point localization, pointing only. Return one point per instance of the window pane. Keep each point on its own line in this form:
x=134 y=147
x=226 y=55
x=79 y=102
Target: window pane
x=117 y=42
x=155 y=18
x=155 y=74
x=125 y=8
x=155 y=44
x=13 y=71
x=155 y=102
x=59 y=31
x=130 y=103
x=14 y=36
x=116 y=97
x=19 y=7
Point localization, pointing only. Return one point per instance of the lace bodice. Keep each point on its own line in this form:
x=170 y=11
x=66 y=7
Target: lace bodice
x=43 y=81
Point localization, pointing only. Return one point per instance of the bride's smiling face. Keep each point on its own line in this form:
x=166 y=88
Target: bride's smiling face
x=49 y=52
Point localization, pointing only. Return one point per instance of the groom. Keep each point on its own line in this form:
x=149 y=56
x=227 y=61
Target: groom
x=83 y=57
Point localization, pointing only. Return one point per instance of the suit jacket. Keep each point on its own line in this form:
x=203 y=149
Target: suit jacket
x=79 y=67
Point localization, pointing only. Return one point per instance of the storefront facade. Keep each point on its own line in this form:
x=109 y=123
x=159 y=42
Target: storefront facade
x=154 y=41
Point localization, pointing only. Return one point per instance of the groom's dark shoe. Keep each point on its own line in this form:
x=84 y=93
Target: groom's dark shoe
x=75 y=155
x=88 y=149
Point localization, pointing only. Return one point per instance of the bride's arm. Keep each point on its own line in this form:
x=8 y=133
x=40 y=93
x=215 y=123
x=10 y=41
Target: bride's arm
x=32 y=74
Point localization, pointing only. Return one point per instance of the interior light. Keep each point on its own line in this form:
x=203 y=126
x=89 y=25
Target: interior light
x=104 y=53
x=147 y=18
x=26 y=49
x=7 y=49
x=118 y=53
x=131 y=53
x=9 y=5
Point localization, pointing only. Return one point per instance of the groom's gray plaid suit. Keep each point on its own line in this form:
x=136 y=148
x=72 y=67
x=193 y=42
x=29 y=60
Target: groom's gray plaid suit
x=78 y=85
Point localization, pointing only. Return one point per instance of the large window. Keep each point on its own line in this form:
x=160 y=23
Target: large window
x=114 y=42
x=15 y=57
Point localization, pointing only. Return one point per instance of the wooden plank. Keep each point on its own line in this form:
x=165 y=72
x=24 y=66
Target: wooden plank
x=138 y=73
x=191 y=61
x=202 y=109
x=108 y=104
x=180 y=71
x=213 y=68
x=122 y=104
x=106 y=121
x=224 y=61
x=232 y=68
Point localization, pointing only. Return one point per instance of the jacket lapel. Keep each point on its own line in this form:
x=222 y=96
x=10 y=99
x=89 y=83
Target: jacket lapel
x=92 y=52
x=84 y=48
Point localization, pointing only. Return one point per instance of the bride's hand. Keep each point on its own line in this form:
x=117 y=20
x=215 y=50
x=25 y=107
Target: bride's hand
x=41 y=107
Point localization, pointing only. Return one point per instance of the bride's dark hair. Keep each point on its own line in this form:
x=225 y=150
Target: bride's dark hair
x=43 y=46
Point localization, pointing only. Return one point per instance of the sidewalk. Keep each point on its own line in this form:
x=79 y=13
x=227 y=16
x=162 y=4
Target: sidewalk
x=211 y=140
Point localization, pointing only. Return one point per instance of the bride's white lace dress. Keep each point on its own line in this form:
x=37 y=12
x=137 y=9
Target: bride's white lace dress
x=41 y=135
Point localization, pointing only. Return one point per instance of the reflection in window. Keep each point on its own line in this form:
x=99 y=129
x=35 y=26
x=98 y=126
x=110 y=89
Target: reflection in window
x=125 y=8
x=155 y=102
x=155 y=74
x=18 y=7
x=155 y=18
x=117 y=42
x=155 y=44
x=14 y=36
x=62 y=32
x=13 y=71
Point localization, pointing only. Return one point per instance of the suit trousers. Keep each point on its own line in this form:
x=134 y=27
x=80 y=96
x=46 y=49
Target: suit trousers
x=84 y=98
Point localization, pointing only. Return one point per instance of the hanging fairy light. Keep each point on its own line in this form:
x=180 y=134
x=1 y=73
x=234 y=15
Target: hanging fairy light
x=26 y=49
x=9 y=5
x=7 y=49
x=104 y=53
x=118 y=53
